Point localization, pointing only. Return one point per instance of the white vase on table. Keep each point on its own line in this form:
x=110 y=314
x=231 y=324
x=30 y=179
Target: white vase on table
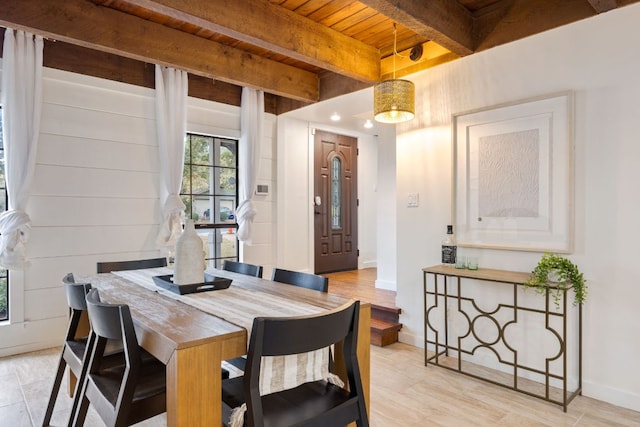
x=189 y=259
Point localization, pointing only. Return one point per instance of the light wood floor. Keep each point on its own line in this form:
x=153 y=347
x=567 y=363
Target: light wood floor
x=404 y=392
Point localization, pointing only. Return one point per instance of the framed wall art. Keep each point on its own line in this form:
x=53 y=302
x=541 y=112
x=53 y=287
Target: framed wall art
x=513 y=175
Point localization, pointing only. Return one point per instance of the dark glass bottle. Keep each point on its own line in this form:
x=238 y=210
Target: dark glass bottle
x=449 y=248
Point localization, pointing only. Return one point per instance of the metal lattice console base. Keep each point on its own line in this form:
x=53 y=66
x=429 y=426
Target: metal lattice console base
x=445 y=296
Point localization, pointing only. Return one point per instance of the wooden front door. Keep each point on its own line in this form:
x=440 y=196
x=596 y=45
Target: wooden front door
x=335 y=202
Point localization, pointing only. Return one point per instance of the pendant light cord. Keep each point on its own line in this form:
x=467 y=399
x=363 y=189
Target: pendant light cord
x=395 y=49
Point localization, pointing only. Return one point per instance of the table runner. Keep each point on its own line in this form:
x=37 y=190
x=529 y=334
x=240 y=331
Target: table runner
x=240 y=306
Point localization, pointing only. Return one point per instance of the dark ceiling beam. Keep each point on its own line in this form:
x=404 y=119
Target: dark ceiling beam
x=83 y=23
x=601 y=6
x=261 y=23
x=445 y=22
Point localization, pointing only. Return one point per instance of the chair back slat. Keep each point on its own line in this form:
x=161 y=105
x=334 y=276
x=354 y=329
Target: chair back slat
x=109 y=266
x=76 y=292
x=304 y=280
x=105 y=318
x=284 y=336
x=243 y=268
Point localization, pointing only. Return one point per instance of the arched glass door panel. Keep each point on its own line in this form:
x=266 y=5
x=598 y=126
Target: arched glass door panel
x=336 y=193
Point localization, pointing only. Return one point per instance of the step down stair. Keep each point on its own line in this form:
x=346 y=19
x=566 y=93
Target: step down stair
x=384 y=325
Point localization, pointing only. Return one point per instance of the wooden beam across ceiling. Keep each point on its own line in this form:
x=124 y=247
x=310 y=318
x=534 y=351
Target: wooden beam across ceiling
x=445 y=22
x=401 y=65
x=83 y=23
x=263 y=24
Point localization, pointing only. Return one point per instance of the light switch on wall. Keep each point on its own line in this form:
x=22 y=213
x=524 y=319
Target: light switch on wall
x=412 y=200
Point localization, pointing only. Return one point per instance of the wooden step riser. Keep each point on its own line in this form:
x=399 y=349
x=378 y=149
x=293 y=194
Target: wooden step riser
x=386 y=315
x=383 y=338
x=384 y=333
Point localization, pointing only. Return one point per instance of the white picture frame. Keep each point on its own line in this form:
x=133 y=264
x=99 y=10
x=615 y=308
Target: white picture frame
x=513 y=175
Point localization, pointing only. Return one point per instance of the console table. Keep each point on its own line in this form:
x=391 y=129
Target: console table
x=449 y=293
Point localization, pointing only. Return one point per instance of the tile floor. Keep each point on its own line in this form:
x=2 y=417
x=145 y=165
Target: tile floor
x=25 y=384
x=403 y=393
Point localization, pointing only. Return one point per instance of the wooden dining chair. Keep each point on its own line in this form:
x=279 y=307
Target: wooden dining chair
x=109 y=266
x=243 y=268
x=121 y=395
x=305 y=280
x=316 y=403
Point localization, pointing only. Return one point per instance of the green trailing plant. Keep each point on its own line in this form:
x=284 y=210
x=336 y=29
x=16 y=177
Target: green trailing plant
x=555 y=274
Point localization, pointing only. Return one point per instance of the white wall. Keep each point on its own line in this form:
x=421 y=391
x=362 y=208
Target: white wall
x=386 y=208
x=95 y=194
x=599 y=60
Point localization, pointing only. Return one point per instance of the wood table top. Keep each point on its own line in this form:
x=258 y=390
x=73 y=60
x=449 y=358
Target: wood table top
x=164 y=324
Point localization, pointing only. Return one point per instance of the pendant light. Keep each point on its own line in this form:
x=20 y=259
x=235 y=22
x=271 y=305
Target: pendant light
x=394 y=100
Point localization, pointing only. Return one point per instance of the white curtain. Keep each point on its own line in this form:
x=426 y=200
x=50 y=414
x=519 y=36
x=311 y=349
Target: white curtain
x=171 y=126
x=21 y=109
x=251 y=135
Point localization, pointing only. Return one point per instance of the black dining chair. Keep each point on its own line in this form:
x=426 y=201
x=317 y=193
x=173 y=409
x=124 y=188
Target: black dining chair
x=109 y=266
x=249 y=270
x=73 y=347
x=126 y=394
x=305 y=280
x=317 y=403
x=243 y=268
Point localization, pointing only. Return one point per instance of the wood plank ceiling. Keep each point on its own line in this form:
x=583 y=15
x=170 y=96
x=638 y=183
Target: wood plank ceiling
x=302 y=51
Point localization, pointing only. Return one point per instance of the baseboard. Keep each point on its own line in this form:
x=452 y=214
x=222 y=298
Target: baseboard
x=622 y=398
x=411 y=339
x=25 y=337
x=386 y=284
x=614 y=396
x=367 y=264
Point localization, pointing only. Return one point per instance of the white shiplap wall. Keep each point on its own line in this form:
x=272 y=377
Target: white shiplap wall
x=95 y=195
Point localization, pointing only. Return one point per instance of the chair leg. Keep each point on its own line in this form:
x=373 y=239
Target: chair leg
x=76 y=396
x=55 y=389
x=81 y=413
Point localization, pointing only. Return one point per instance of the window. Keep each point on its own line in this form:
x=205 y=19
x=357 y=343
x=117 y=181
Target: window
x=4 y=274
x=210 y=193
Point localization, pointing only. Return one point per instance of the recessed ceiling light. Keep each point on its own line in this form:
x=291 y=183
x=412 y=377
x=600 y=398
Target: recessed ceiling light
x=335 y=117
x=368 y=124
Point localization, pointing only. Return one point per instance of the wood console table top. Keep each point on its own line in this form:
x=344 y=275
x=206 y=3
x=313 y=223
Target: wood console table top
x=504 y=276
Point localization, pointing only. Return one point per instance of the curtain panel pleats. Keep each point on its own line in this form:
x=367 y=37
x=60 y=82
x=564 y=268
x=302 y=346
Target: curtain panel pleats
x=21 y=111
x=251 y=136
x=171 y=126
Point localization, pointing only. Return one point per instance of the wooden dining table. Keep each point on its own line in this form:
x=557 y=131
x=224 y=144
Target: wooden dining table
x=192 y=343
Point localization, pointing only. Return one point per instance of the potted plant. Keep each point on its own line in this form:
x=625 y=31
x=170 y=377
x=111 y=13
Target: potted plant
x=555 y=274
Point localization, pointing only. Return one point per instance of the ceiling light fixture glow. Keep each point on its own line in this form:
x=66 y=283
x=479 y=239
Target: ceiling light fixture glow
x=335 y=117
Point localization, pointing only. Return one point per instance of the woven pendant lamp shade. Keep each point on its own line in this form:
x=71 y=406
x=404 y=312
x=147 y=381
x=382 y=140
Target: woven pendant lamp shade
x=394 y=101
